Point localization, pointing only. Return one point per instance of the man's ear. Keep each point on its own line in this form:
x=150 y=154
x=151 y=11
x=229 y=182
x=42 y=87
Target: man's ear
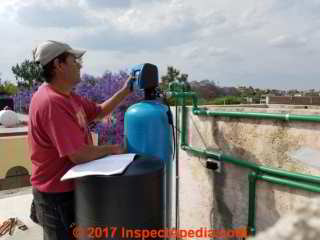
x=56 y=64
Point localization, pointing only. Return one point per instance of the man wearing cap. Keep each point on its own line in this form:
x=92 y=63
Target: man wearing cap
x=58 y=135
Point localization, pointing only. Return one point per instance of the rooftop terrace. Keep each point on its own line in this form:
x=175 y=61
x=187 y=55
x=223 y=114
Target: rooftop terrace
x=16 y=203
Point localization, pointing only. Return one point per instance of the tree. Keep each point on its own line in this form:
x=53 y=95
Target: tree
x=7 y=88
x=183 y=78
x=292 y=92
x=173 y=75
x=27 y=73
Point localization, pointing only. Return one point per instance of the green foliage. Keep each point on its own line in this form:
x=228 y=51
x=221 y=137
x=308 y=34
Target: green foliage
x=7 y=88
x=27 y=73
x=228 y=100
x=217 y=101
x=173 y=101
x=174 y=76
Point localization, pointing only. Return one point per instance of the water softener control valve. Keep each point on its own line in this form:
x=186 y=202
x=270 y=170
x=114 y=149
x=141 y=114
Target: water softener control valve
x=145 y=76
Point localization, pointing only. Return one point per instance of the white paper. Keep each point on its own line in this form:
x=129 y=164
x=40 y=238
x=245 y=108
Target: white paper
x=109 y=165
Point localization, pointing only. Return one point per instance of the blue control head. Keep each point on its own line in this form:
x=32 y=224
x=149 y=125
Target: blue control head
x=145 y=76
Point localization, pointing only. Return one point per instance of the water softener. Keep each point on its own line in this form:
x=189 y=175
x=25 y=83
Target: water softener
x=119 y=206
x=148 y=127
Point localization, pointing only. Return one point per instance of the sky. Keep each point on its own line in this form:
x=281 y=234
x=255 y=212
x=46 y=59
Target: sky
x=259 y=43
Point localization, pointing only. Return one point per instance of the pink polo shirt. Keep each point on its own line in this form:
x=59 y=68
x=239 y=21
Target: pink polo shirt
x=58 y=127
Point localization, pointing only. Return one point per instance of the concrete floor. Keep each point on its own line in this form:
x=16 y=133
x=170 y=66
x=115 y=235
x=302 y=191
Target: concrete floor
x=16 y=203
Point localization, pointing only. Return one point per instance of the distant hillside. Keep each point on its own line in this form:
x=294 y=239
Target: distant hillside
x=208 y=89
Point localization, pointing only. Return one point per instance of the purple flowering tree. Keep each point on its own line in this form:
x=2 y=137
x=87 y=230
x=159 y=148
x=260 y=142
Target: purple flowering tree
x=110 y=129
x=23 y=97
x=98 y=89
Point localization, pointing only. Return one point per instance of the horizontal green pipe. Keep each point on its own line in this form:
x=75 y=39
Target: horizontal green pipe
x=220 y=157
x=254 y=115
x=258 y=115
x=253 y=166
x=290 y=175
x=181 y=94
x=290 y=183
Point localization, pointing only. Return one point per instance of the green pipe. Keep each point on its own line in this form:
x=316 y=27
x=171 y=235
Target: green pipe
x=253 y=177
x=278 y=176
x=183 y=123
x=183 y=95
x=253 y=166
x=290 y=183
x=257 y=115
x=252 y=203
x=289 y=175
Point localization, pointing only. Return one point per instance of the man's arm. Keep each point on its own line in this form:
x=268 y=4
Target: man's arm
x=108 y=105
x=91 y=152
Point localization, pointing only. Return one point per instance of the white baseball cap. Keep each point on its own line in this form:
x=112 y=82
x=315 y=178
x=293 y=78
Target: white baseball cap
x=49 y=50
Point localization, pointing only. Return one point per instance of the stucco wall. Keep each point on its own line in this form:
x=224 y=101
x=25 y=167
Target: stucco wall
x=13 y=152
x=220 y=200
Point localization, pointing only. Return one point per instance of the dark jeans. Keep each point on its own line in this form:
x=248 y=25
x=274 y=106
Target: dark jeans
x=55 y=213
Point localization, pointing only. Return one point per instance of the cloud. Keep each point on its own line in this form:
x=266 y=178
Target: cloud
x=236 y=42
x=98 y=4
x=216 y=51
x=119 y=4
x=310 y=8
x=40 y=14
x=285 y=4
x=252 y=19
x=213 y=18
x=113 y=39
x=148 y=29
x=195 y=51
x=284 y=41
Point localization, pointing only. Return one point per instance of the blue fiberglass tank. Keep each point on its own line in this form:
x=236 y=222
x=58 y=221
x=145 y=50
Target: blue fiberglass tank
x=148 y=131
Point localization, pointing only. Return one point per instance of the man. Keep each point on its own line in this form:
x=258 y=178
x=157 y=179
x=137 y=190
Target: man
x=58 y=135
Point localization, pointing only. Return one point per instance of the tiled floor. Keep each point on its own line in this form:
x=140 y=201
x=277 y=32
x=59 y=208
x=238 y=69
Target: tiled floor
x=16 y=203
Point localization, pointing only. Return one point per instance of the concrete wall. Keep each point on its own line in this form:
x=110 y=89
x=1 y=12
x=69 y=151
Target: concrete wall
x=14 y=153
x=303 y=100
x=220 y=200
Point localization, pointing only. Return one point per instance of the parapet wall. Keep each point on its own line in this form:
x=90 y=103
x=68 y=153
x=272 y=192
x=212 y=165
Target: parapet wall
x=220 y=200
x=14 y=155
x=303 y=100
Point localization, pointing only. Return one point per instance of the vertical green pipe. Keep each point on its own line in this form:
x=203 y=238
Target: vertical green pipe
x=252 y=203
x=183 y=141
x=177 y=166
x=194 y=101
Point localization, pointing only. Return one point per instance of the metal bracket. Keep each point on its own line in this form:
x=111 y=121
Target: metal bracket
x=214 y=165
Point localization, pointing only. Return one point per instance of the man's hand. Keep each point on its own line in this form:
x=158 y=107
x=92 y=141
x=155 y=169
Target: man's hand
x=127 y=85
x=91 y=152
